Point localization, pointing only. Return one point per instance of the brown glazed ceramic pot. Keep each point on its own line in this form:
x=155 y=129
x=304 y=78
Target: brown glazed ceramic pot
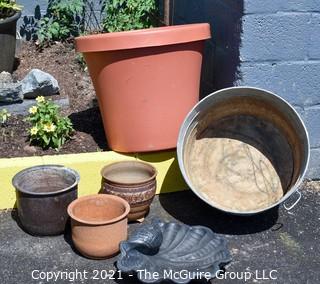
x=134 y=181
x=99 y=224
x=152 y=76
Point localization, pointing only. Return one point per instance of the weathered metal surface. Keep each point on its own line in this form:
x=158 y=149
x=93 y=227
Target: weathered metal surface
x=243 y=150
x=43 y=195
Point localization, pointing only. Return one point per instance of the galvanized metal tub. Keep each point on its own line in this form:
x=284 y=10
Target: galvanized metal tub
x=243 y=150
x=43 y=195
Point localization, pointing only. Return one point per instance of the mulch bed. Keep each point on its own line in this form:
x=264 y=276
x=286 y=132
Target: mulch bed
x=60 y=60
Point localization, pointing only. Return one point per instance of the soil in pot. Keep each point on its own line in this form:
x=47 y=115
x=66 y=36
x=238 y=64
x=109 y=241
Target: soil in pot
x=134 y=181
x=43 y=195
x=99 y=224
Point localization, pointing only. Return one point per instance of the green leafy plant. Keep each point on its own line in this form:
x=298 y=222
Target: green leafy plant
x=8 y=8
x=123 y=15
x=48 y=127
x=62 y=21
x=80 y=60
x=4 y=115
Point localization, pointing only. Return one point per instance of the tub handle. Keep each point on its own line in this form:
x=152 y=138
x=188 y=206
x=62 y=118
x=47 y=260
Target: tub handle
x=295 y=203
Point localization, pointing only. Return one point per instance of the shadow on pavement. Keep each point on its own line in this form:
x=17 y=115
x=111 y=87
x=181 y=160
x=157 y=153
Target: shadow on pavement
x=189 y=209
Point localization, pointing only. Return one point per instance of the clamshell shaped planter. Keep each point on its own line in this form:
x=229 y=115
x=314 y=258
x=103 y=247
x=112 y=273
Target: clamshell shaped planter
x=134 y=181
x=43 y=195
x=98 y=224
x=146 y=82
x=164 y=247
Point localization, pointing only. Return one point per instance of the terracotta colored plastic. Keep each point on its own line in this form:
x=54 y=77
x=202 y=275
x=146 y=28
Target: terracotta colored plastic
x=99 y=224
x=146 y=82
x=134 y=181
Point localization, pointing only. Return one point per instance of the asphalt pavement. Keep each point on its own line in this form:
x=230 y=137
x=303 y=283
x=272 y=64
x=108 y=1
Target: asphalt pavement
x=278 y=246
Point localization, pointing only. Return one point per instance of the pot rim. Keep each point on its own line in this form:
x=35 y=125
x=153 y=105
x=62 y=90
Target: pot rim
x=151 y=167
x=102 y=196
x=50 y=166
x=151 y=37
x=12 y=18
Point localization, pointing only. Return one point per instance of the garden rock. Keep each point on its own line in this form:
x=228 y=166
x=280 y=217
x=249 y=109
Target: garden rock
x=10 y=93
x=30 y=149
x=5 y=77
x=39 y=83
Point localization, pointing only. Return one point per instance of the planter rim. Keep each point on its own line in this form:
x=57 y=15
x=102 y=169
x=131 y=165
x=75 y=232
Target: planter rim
x=152 y=168
x=143 y=38
x=101 y=196
x=12 y=18
x=35 y=168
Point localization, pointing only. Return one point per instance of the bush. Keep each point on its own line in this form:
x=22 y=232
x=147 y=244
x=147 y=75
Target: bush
x=48 y=128
x=8 y=8
x=123 y=15
x=4 y=115
x=62 y=21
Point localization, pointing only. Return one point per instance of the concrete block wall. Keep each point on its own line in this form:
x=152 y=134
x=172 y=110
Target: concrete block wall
x=280 y=51
x=31 y=13
x=33 y=10
x=29 y=6
x=222 y=52
x=276 y=46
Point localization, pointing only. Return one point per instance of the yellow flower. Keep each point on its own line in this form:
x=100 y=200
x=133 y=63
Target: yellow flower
x=33 y=110
x=34 y=130
x=49 y=127
x=5 y=113
x=40 y=99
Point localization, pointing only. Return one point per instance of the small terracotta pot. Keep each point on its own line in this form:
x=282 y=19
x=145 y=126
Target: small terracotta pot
x=134 y=181
x=99 y=224
x=146 y=82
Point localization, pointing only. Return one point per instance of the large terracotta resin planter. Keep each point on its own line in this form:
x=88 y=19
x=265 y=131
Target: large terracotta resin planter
x=146 y=82
x=98 y=224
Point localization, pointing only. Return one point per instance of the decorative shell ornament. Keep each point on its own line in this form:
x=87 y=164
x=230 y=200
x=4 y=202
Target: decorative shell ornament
x=171 y=251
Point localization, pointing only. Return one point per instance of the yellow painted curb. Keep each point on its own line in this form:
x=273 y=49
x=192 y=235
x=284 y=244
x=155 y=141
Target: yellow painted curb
x=88 y=165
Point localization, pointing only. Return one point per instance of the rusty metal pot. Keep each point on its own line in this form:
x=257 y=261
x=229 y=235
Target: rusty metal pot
x=243 y=150
x=43 y=195
x=134 y=181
